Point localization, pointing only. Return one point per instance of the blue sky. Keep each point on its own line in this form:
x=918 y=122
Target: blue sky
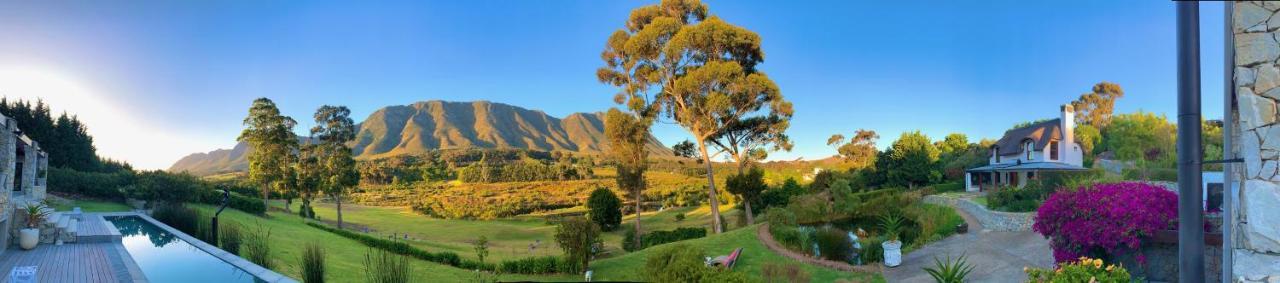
x=159 y=79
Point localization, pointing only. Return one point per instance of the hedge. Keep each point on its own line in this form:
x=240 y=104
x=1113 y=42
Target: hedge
x=537 y=265
x=661 y=237
x=398 y=247
x=237 y=201
x=91 y=184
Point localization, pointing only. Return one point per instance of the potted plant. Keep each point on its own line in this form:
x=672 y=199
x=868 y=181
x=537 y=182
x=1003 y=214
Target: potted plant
x=962 y=228
x=30 y=236
x=892 y=225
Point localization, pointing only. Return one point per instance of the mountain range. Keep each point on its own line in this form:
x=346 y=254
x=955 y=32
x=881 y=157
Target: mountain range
x=435 y=124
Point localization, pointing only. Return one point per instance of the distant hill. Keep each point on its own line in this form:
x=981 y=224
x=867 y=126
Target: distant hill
x=422 y=126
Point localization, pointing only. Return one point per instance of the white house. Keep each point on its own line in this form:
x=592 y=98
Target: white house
x=1023 y=153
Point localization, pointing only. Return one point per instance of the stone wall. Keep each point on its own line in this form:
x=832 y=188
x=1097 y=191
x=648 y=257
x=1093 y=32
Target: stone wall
x=991 y=220
x=1256 y=27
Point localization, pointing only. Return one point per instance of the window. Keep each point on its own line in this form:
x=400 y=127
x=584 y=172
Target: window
x=1053 y=150
x=995 y=153
x=1029 y=148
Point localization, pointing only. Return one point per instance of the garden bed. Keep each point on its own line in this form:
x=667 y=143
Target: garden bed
x=990 y=220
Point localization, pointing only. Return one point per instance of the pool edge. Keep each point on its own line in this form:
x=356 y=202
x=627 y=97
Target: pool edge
x=261 y=273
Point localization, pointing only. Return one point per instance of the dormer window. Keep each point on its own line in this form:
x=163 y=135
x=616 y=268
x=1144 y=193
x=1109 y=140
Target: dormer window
x=1053 y=150
x=1029 y=147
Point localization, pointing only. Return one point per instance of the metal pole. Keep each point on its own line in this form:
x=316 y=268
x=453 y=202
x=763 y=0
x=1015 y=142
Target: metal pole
x=1190 y=217
x=1228 y=92
x=226 y=197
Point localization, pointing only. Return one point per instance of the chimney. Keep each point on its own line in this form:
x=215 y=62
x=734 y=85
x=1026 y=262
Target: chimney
x=1068 y=121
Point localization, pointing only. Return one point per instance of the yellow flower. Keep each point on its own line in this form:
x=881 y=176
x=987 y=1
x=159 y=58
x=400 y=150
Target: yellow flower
x=1111 y=267
x=1097 y=263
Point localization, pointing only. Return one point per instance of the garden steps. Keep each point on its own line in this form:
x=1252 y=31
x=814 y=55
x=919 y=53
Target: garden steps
x=95 y=229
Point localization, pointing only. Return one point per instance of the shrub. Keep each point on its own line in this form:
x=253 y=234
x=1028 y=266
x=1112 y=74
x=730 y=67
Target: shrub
x=946 y=187
x=680 y=217
x=578 y=237
x=313 y=263
x=605 y=209
x=382 y=266
x=1151 y=174
x=257 y=246
x=834 y=244
x=934 y=221
x=481 y=247
x=163 y=186
x=891 y=224
x=1082 y=270
x=684 y=263
x=951 y=271
x=237 y=201
x=177 y=216
x=778 y=196
x=661 y=237
x=782 y=224
x=91 y=184
x=1105 y=220
x=872 y=251
x=1011 y=199
x=537 y=265
x=783 y=273
x=230 y=237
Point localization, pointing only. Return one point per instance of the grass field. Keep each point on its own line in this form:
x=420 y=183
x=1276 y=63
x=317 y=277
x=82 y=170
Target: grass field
x=289 y=234
x=508 y=238
x=630 y=267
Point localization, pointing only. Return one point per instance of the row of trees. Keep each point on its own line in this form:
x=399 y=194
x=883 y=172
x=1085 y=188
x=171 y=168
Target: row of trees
x=64 y=137
x=279 y=163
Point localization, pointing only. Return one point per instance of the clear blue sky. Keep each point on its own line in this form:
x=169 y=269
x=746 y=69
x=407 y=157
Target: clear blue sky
x=160 y=79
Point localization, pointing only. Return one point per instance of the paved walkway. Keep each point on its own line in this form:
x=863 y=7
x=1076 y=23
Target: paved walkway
x=996 y=256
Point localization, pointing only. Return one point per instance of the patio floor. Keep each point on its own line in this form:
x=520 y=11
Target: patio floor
x=97 y=257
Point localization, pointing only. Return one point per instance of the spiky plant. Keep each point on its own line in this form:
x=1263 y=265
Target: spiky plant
x=35 y=214
x=892 y=225
x=950 y=271
x=313 y=263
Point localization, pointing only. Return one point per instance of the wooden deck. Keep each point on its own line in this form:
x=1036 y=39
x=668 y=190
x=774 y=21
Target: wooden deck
x=81 y=262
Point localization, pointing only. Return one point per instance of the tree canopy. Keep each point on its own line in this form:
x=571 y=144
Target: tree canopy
x=272 y=138
x=911 y=160
x=1095 y=107
x=860 y=150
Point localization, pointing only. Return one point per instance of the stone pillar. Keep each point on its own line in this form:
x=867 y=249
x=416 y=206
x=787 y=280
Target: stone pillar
x=42 y=174
x=29 y=165
x=1257 y=82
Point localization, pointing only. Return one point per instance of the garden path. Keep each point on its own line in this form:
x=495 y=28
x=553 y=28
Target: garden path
x=996 y=256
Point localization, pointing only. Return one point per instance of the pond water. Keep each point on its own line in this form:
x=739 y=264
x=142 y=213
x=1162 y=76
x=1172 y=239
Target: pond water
x=163 y=257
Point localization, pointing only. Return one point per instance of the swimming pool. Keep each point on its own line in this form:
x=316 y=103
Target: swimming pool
x=164 y=257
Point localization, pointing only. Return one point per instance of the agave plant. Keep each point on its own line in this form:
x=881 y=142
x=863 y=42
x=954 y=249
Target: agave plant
x=951 y=271
x=892 y=225
x=35 y=214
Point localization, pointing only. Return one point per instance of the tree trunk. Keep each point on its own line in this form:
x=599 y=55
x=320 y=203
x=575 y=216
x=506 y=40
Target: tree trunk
x=288 y=201
x=338 y=199
x=751 y=219
x=266 y=198
x=711 y=187
x=636 y=240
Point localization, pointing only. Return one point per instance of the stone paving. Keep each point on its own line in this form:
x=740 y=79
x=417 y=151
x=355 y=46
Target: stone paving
x=996 y=256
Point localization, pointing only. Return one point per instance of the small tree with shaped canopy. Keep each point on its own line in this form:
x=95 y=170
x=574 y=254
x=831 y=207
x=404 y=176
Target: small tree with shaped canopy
x=604 y=209
x=628 y=133
x=747 y=185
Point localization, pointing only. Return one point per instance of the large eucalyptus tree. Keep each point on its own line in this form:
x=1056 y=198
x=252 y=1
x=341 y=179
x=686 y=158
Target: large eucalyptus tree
x=673 y=60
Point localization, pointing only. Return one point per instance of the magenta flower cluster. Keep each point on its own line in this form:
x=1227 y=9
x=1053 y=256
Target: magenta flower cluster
x=1105 y=220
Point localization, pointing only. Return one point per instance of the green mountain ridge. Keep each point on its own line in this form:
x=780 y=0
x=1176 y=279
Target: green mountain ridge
x=422 y=126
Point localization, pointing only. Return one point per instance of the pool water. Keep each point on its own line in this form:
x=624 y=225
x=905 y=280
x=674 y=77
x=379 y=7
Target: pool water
x=163 y=257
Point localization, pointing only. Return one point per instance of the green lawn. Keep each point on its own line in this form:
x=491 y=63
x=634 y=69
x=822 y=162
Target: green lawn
x=344 y=256
x=981 y=200
x=754 y=255
x=508 y=238
x=90 y=205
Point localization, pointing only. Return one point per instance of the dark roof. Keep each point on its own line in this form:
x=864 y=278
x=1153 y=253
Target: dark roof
x=1029 y=166
x=1041 y=133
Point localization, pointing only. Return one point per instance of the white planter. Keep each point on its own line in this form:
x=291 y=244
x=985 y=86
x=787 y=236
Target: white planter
x=892 y=253
x=28 y=238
